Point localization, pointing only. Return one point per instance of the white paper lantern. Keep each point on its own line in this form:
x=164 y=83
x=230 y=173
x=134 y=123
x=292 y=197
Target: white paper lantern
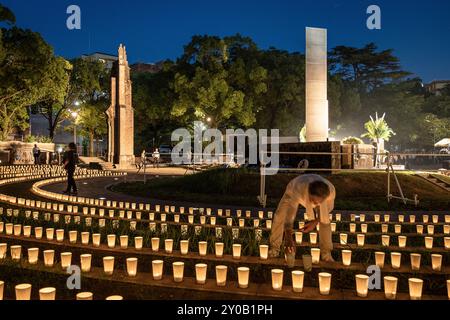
x=243 y=277
x=221 y=275
x=108 y=265
x=168 y=245
x=297 y=281
x=396 y=260
x=362 y=285
x=86 y=262
x=178 y=271
x=390 y=287
x=415 y=288
x=200 y=273
x=277 y=279
x=132 y=267
x=219 y=249
x=324 y=283
x=157 y=269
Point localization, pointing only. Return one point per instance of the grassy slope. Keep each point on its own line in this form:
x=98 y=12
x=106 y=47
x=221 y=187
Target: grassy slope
x=355 y=191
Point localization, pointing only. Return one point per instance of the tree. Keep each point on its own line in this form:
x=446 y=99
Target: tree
x=27 y=76
x=377 y=131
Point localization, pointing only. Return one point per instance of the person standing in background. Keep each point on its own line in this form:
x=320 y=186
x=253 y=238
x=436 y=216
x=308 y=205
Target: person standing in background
x=36 y=154
x=70 y=160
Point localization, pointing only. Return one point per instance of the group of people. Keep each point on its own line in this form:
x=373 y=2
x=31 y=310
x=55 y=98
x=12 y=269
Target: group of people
x=155 y=159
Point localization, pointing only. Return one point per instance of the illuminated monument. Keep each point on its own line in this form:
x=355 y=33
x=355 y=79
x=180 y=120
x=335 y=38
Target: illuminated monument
x=121 y=115
x=316 y=85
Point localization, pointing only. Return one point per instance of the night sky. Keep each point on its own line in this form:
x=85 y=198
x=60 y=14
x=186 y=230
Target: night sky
x=155 y=30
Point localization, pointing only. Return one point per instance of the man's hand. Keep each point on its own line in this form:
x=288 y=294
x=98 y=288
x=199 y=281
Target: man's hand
x=289 y=243
x=310 y=226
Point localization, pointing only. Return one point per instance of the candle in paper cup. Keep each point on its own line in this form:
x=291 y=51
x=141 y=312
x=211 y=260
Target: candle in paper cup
x=435 y=219
x=448 y=289
x=277 y=279
x=352 y=227
x=200 y=273
x=387 y=218
x=16 y=253
x=429 y=242
x=376 y=218
x=415 y=261
x=85 y=296
x=221 y=275
x=243 y=277
x=401 y=218
x=33 y=255
x=73 y=235
x=138 y=243
x=436 y=262
x=155 y=244
x=430 y=229
x=412 y=218
x=419 y=229
x=398 y=228
x=346 y=257
x=415 y=288
x=298 y=237
x=333 y=227
x=343 y=238
x=237 y=251
x=157 y=269
x=9 y=229
x=178 y=271
x=361 y=239
x=168 y=245
x=86 y=261
x=324 y=283
x=66 y=260
x=47 y=294
x=111 y=241
x=202 y=248
x=85 y=238
x=184 y=247
x=108 y=265
x=132 y=267
x=379 y=259
x=297 y=281
x=362 y=285
x=390 y=287
x=23 y=291
x=315 y=254
x=364 y=228
x=447 y=218
x=385 y=240
x=96 y=239
x=50 y=232
x=263 y=252
x=384 y=228
x=219 y=249
x=396 y=260
x=402 y=241
x=447 y=229
x=123 y=242
x=3 y=250
x=425 y=218
x=447 y=243
x=313 y=238
x=17 y=230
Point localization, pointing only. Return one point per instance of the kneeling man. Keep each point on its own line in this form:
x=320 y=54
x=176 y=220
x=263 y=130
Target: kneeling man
x=316 y=194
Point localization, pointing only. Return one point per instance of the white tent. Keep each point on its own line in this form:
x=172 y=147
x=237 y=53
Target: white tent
x=444 y=143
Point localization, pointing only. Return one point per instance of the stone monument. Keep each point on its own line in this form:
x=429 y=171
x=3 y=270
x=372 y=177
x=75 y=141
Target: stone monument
x=316 y=85
x=121 y=115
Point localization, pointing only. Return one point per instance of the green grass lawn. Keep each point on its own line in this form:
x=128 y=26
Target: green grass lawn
x=355 y=191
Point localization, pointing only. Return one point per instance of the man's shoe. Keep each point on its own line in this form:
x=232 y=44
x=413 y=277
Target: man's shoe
x=274 y=253
x=328 y=258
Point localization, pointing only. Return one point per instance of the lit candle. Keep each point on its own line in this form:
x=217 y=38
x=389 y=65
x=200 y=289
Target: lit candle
x=269 y=224
x=202 y=248
x=415 y=261
x=202 y=219
x=111 y=241
x=401 y=218
x=157 y=269
x=447 y=218
x=191 y=219
x=277 y=279
x=398 y=228
x=361 y=238
x=448 y=289
x=435 y=219
x=85 y=238
x=17 y=230
x=221 y=276
x=412 y=218
x=163 y=217
x=243 y=277
x=419 y=229
x=9 y=229
x=338 y=217
x=47 y=294
x=362 y=285
x=447 y=229
x=16 y=252
x=352 y=227
x=50 y=233
x=33 y=255
x=23 y=291
x=155 y=244
x=200 y=273
x=184 y=247
x=377 y=218
x=425 y=218
x=352 y=217
x=73 y=235
x=219 y=249
x=138 y=243
x=390 y=287
x=123 y=242
x=436 y=262
x=108 y=265
x=168 y=245
x=429 y=242
x=297 y=281
x=385 y=240
x=396 y=260
x=86 y=260
x=313 y=238
x=430 y=229
x=415 y=288
x=85 y=296
x=96 y=239
x=298 y=237
x=346 y=257
x=447 y=243
x=176 y=218
x=132 y=264
x=384 y=228
x=333 y=227
x=315 y=254
x=379 y=259
x=66 y=260
x=343 y=238
x=237 y=251
x=178 y=271
x=402 y=241
x=2 y=287
x=387 y=218
x=324 y=283
x=364 y=228
x=263 y=251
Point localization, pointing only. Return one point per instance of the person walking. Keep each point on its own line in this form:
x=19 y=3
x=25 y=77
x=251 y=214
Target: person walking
x=36 y=154
x=317 y=195
x=156 y=157
x=70 y=160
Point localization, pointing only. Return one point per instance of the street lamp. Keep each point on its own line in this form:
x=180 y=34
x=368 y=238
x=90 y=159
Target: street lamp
x=74 y=115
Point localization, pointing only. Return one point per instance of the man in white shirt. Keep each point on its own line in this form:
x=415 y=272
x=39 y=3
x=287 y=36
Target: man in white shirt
x=316 y=194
